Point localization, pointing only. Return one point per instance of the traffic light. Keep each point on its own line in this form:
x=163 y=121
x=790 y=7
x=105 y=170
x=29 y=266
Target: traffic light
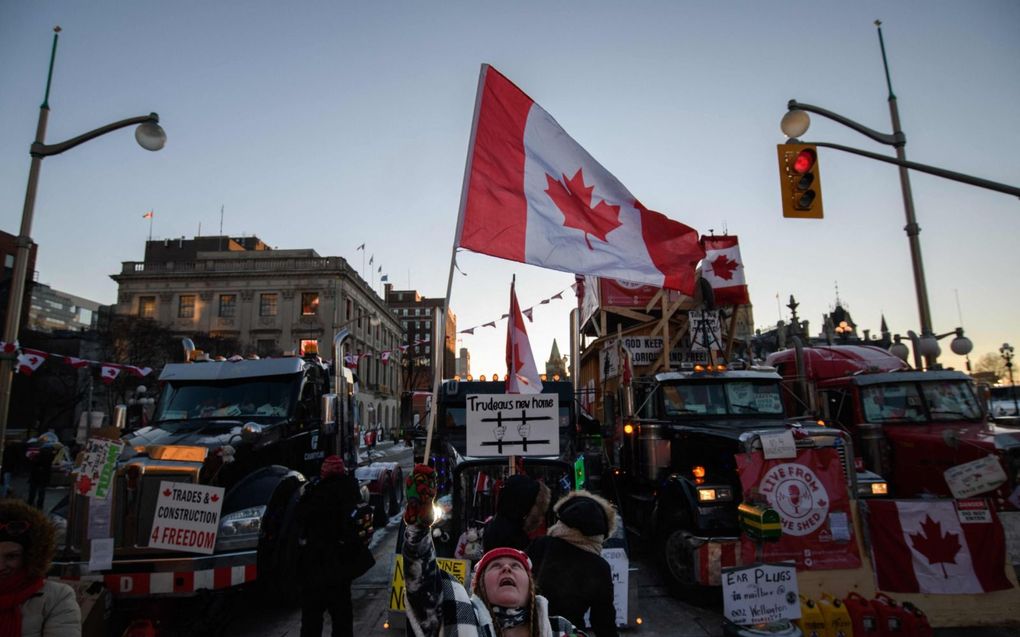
x=799 y=181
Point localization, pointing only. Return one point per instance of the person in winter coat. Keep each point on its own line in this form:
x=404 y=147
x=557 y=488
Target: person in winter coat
x=30 y=604
x=502 y=601
x=523 y=502
x=325 y=527
x=569 y=567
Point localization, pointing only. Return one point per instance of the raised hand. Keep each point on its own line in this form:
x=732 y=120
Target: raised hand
x=421 y=491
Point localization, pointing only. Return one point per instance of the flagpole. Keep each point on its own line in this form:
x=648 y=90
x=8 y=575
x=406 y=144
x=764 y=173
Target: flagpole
x=152 y=215
x=453 y=260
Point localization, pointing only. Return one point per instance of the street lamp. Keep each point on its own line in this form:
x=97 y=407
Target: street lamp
x=928 y=347
x=1007 y=355
x=796 y=122
x=149 y=136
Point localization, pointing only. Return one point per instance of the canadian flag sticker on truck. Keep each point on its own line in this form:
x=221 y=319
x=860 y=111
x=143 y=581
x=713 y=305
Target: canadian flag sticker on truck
x=187 y=517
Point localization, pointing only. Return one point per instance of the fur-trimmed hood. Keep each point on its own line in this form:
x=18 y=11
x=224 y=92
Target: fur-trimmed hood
x=587 y=512
x=39 y=541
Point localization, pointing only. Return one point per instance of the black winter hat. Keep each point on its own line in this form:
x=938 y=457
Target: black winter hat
x=584 y=514
x=517 y=496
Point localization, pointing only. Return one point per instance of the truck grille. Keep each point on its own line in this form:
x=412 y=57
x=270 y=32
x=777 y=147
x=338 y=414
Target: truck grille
x=131 y=512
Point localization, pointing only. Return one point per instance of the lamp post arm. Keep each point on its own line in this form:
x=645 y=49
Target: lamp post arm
x=41 y=150
x=896 y=139
x=925 y=168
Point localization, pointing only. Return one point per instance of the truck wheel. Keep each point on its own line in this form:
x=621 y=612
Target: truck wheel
x=679 y=570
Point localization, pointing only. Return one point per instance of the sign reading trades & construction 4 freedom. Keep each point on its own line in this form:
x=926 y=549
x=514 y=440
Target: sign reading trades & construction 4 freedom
x=187 y=517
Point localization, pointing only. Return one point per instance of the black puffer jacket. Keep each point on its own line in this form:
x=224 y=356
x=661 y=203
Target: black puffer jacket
x=569 y=569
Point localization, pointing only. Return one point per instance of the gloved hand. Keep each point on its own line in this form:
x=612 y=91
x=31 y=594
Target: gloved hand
x=421 y=491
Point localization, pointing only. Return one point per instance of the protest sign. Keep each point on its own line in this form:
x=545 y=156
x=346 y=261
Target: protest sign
x=187 y=517
x=512 y=424
x=98 y=465
x=760 y=593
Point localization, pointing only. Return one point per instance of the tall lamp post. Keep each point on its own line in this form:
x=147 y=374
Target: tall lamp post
x=796 y=122
x=149 y=135
x=1007 y=355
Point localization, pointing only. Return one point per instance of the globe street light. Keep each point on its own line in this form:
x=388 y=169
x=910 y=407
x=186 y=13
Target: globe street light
x=149 y=136
x=1007 y=355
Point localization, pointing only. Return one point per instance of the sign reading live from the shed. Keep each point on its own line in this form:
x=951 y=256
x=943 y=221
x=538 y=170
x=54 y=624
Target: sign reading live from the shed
x=512 y=424
x=187 y=517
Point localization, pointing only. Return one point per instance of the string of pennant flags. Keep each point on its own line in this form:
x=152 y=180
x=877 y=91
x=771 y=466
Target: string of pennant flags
x=30 y=360
x=527 y=313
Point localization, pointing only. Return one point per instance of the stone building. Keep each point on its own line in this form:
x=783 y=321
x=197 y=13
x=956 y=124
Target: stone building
x=556 y=365
x=416 y=314
x=271 y=302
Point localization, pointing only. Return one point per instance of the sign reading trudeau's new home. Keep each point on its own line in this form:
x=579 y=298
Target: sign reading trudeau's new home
x=187 y=517
x=512 y=424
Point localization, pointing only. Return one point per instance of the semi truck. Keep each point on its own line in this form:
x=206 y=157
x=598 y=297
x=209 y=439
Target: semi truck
x=908 y=426
x=257 y=428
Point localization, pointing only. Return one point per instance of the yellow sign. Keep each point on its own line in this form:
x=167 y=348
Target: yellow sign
x=457 y=568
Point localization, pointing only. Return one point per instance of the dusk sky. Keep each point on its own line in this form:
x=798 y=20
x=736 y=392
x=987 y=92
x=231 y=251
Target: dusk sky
x=326 y=125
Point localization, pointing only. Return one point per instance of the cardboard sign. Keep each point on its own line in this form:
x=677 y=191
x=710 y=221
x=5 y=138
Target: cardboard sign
x=187 y=517
x=760 y=593
x=705 y=332
x=620 y=566
x=609 y=359
x=99 y=463
x=512 y=424
x=457 y=568
x=978 y=476
x=778 y=445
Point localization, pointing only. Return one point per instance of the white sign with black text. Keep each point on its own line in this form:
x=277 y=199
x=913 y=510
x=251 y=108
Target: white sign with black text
x=704 y=330
x=512 y=424
x=761 y=593
x=187 y=517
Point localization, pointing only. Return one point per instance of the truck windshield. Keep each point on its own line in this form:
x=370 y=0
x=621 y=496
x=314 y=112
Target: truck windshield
x=723 y=398
x=250 y=397
x=920 y=402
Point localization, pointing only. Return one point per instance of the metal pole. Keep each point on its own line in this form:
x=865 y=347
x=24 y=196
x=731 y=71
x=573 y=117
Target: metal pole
x=24 y=243
x=912 y=228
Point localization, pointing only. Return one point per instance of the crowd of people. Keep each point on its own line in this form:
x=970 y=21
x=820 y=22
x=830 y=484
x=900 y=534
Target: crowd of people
x=530 y=581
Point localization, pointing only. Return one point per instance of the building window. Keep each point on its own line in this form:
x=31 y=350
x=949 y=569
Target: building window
x=147 y=306
x=267 y=304
x=348 y=310
x=265 y=347
x=228 y=305
x=309 y=346
x=309 y=303
x=186 y=306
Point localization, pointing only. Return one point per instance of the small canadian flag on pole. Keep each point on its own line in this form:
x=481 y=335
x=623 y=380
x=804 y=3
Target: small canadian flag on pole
x=29 y=360
x=522 y=373
x=147 y=215
x=109 y=373
x=385 y=356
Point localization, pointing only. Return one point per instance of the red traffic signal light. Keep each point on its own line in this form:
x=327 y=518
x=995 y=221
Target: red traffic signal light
x=799 y=181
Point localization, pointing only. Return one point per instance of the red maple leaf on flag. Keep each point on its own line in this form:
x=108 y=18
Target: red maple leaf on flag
x=167 y=493
x=723 y=267
x=939 y=548
x=214 y=497
x=574 y=201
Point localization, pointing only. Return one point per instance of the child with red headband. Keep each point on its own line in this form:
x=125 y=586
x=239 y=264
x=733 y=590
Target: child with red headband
x=502 y=602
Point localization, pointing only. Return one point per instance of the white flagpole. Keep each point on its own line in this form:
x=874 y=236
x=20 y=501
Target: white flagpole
x=152 y=214
x=437 y=371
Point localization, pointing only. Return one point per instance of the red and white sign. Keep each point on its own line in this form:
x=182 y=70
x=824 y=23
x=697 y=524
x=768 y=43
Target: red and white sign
x=536 y=196
x=926 y=546
x=521 y=372
x=187 y=517
x=813 y=503
x=724 y=270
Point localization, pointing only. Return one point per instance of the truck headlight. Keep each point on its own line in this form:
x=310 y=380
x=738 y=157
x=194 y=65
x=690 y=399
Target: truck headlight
x=243 y=523
x=715 y=494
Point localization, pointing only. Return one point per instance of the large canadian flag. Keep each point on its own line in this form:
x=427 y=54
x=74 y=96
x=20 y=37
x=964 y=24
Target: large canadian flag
x=521 y=372
x=937 y=546
x=724 y=270
x=536 y=196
